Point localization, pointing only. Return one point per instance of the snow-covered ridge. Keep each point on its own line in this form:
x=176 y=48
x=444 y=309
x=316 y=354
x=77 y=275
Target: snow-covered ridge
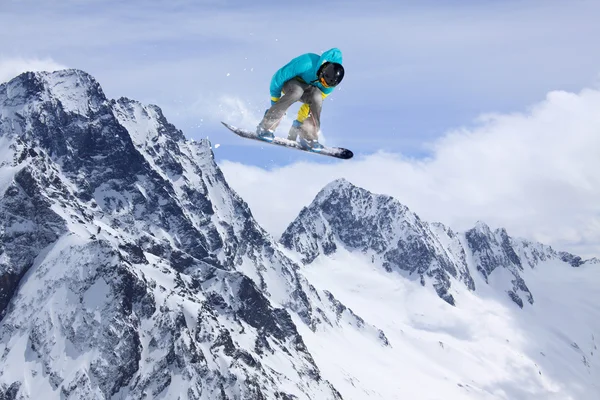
x=343 y=215
x=519 y=321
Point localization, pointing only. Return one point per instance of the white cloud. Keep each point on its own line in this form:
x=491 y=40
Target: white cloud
x=237 y=112
x=231 y=109
x=11 y=67
x=536 y=173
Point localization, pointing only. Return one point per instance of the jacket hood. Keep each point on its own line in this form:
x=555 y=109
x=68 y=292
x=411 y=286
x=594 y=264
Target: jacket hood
x=332 y=55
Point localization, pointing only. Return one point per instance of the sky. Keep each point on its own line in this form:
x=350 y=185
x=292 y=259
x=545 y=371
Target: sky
x=465 y=111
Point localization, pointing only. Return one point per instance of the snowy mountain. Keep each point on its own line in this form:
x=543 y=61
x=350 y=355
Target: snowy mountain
x=130 y=269
x=380 y=227
x=519 y=321
x=392 y=236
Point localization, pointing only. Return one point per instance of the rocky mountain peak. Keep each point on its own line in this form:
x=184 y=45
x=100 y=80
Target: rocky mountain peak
x=379 y=227
x=123 y=247
x=149 y=117
x=76 y=91
x=344 y=196
x=482 y=228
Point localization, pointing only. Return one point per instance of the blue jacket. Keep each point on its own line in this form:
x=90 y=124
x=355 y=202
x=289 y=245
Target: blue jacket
x=304 y=67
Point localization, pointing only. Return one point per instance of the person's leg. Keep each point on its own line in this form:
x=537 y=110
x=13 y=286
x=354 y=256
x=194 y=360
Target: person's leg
x=297 y=125
x=310 y=127
x=292 y=92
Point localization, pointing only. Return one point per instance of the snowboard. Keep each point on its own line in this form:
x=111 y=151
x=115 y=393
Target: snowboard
x=337 y=152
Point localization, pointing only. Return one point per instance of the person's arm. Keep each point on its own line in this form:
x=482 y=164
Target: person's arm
x=291 y=70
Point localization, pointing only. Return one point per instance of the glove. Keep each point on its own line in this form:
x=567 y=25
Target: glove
x=274 y=100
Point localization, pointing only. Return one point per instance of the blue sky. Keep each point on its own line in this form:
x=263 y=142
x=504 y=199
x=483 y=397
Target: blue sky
x=418 y=74
x=414 y=69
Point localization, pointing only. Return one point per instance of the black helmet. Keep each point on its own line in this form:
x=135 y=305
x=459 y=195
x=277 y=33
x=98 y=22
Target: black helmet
x=330 y=74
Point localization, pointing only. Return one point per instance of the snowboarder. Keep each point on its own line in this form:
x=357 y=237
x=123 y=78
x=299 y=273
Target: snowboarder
x=308 y=78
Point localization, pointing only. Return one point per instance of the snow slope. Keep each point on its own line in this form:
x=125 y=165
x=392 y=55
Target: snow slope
x=483 y=348
x=487 y=345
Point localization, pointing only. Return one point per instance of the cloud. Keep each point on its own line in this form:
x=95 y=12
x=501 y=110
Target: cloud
x=237 y=112
x=231 y=109
x=536 y=173
x=11 y=67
